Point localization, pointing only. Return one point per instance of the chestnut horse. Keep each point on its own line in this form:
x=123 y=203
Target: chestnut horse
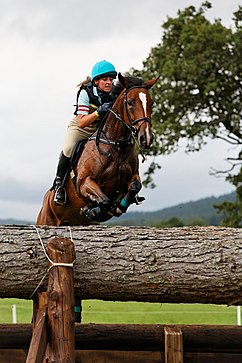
x=107 y=172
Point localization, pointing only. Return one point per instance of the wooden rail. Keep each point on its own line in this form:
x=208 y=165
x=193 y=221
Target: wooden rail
x=134 y=337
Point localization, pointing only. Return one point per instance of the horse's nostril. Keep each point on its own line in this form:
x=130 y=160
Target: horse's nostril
x=143 y=142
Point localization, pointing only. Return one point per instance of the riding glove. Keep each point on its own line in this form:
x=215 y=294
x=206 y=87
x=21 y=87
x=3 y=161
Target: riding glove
x=105 y=107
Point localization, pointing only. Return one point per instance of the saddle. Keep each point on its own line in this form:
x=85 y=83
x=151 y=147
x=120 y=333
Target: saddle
x=77 y=152
x=75 y=157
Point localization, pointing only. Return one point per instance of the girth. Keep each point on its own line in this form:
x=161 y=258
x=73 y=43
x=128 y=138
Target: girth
x=123 y=145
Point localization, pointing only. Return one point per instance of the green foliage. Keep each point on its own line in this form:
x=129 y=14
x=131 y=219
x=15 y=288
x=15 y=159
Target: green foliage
x=200 y=89
x=171 y=222
x=232 y=211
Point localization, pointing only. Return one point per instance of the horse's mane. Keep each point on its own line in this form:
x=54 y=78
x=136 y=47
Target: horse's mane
x=132 y=81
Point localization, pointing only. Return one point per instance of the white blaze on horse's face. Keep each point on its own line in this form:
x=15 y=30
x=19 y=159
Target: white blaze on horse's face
x=143 y=100
x=148 y=135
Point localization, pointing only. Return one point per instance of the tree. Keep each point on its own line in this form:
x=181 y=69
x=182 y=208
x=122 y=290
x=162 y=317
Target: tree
x=232 y=211
x=200 y=89
x=171 y=222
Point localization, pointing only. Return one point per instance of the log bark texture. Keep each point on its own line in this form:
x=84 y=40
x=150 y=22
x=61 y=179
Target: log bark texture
x=184 y=265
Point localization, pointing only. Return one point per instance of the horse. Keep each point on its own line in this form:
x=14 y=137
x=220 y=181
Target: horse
x=107 y=171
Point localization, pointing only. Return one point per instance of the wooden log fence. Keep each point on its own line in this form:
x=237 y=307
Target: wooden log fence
x=180 y=265
x=119 y=263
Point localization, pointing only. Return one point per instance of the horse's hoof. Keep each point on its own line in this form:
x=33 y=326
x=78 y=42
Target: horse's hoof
x=105 y=202
x=139 y=200
x=118 y=212
x=92 y=213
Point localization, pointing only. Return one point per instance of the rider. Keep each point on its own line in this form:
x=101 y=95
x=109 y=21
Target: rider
x=94 y=99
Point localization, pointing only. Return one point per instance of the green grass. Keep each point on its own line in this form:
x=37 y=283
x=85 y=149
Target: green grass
x=146 y=313
x=24 y=310
x=96 y=311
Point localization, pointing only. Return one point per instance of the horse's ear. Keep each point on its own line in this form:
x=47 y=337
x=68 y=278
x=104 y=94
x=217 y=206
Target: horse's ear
x=122 y=80
x=151 y=82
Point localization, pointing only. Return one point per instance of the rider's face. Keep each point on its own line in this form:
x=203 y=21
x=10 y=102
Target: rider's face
x=104 y=83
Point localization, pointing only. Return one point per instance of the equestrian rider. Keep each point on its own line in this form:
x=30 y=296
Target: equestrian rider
x=94 y=99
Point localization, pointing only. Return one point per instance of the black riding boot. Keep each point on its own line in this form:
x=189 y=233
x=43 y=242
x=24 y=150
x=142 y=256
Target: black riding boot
x=59 y=183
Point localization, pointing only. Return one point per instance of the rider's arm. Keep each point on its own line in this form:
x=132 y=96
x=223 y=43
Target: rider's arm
x=86 y=120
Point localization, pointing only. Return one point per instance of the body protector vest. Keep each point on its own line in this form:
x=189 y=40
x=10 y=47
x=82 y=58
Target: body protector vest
x=95 y=101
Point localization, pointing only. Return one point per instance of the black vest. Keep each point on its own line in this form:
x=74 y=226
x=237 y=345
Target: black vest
x=94 y=100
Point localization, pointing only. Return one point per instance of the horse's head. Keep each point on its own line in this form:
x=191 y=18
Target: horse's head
x=138 y=108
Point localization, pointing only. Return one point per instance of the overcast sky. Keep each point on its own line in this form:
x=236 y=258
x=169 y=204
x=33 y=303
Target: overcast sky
x=47 y=48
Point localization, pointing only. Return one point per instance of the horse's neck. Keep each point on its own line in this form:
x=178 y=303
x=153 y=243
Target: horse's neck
x=113 y=128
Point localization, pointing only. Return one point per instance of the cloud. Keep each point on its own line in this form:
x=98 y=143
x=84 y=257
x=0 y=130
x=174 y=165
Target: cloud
x=77 y=21
x=47 y=47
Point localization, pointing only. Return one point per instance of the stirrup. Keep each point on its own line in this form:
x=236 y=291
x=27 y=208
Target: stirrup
x=60 y=200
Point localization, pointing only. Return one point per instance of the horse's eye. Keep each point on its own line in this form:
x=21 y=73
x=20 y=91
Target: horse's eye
x=131 y=102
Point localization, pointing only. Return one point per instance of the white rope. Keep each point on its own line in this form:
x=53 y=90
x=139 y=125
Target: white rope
x=70 y=233
x=53 y=264
x=62 y=264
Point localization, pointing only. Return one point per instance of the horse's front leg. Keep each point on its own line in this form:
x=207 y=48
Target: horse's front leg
x=88 y=188
x=98 y=209
x=131 y=197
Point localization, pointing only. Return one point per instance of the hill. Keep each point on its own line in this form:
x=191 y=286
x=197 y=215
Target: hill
x=8 y=221
x=201 y=211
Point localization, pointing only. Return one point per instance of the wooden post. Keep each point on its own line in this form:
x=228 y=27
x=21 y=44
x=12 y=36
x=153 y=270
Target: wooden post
x=60 y=310
x=173 y=345
x=38 y=343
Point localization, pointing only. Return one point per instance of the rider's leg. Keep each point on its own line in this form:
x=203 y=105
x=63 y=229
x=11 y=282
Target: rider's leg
x=72 y=137
x=61 y=173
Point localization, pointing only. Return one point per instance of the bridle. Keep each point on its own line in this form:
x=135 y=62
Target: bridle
x=131 y=126
x=133 y=129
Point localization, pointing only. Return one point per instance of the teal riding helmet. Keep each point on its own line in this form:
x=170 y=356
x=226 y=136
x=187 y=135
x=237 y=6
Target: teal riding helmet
x=102 y=69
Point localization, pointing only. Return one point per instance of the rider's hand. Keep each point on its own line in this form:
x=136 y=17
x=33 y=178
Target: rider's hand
x=105 y=107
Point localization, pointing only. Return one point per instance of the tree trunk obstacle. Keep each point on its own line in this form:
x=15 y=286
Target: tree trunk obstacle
x=199 y=264
x=180 y=265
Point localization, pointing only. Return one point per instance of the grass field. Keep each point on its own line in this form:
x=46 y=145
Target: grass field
x=95 y=311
